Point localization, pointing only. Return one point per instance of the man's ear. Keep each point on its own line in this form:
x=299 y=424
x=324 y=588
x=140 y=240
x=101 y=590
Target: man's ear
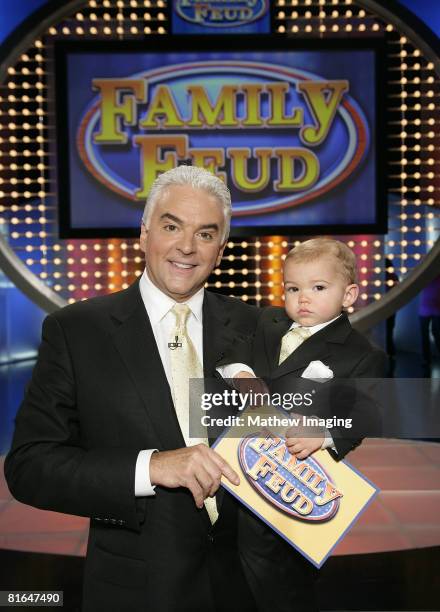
x=351 y=295
x=220 y=253
x=143 y=238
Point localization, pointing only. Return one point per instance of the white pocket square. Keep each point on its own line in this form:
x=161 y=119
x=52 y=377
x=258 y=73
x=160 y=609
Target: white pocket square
x=317 y=371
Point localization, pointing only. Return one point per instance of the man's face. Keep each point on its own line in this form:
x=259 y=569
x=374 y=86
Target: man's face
x=183 y=242
x=316 y=291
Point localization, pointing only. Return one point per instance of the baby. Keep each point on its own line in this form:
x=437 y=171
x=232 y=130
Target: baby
x=320 y=283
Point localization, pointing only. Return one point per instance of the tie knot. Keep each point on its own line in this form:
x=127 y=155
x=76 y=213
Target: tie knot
x=302 y=332
x=181 y=312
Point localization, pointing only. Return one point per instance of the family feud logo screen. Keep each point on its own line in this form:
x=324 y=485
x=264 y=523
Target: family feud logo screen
x=291 y=132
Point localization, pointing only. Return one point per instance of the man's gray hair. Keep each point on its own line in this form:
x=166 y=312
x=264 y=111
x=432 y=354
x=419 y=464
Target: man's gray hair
x=197 y=178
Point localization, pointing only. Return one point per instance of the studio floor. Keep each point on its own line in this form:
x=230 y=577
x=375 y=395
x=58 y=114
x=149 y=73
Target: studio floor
x=388 y=561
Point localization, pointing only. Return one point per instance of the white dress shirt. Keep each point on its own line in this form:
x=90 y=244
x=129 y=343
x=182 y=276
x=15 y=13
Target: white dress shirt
x=232 y=369
x=158 y=307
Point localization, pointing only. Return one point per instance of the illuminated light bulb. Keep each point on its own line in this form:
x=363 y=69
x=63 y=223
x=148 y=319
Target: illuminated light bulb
x=364 y=283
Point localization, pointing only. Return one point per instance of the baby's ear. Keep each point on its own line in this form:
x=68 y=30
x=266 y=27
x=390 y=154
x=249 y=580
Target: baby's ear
x=350 y=295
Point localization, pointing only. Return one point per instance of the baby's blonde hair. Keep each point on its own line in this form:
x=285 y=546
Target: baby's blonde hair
x=319 y=247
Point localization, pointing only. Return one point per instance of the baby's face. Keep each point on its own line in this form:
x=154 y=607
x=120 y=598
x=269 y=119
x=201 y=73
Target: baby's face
x=315 y=291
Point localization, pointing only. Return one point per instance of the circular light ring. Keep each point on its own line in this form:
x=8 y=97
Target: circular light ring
x=38 y=25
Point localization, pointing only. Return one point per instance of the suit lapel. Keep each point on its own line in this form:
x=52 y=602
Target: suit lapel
x=217 y=336
x=273 y=333
x=135 y=342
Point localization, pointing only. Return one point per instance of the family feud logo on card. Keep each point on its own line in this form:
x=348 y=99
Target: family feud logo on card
x=300 y=488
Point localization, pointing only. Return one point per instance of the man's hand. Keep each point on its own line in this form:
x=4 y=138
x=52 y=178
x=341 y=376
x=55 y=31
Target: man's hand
x=198 y=468
x=301 y=445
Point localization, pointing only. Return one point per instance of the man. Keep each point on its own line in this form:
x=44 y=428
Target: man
x=105 y=396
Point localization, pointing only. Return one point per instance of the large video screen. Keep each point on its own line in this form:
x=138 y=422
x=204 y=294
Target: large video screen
x=294 y=131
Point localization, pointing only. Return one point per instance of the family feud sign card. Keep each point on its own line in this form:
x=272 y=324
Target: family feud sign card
x=311 y=503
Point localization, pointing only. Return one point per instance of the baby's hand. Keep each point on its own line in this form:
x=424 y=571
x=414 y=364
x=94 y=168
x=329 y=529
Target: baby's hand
x=245 y=382
x=302 y=447
x=244 y=374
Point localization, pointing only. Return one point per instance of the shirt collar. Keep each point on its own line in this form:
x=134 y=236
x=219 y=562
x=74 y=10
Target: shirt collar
x=158 y=304
x=314 y=328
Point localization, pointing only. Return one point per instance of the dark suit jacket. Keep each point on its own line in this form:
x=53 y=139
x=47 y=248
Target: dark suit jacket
x=344 y=350
x=98 y=396
x=266 y=558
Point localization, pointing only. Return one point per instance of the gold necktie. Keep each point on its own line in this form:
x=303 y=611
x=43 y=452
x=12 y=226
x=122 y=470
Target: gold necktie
x=185 y=364
x=291 y=341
